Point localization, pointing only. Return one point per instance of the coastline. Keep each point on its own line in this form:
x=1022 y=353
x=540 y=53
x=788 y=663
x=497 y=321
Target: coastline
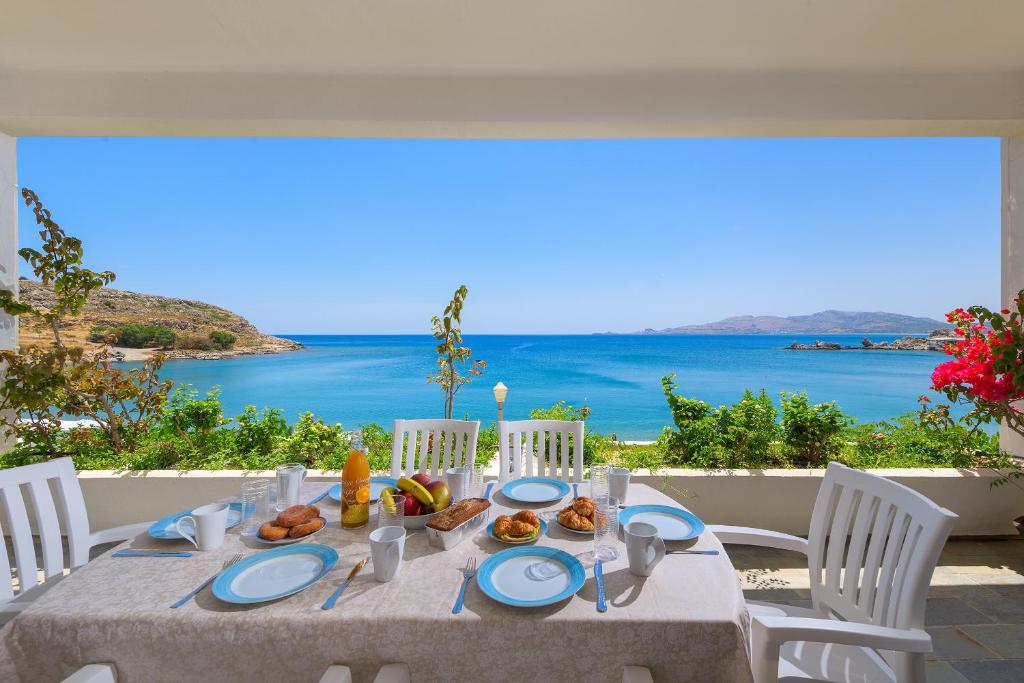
x=270 y=345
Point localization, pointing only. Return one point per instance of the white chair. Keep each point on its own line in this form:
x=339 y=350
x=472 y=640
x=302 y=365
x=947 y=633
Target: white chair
x=551 y=448
x=389 y=673
x=36 y=481
x=93 y=673
x=868 y=596
x=432 y=446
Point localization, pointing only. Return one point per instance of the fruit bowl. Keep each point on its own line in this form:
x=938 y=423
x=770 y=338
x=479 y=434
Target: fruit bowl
x=418 y=522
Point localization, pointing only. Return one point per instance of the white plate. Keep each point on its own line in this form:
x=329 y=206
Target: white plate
x=535 y=490
x=274 y=573
x=530 y=576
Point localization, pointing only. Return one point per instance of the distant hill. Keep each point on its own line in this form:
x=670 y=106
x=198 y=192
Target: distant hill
x=109 y=307
x=824 y=322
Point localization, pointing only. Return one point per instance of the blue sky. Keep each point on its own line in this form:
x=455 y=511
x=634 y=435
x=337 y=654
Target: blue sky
x=372 y=236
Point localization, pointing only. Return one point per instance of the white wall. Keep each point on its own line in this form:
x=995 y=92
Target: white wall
x=8 y=242
x=1012 y=245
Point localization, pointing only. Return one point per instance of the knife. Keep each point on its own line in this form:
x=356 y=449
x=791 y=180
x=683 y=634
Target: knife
x=344 y=584
x=487 y=493
x=320 y=497
x=575 y=490
x=602 y=606
x=691 y=552
x=148 y=553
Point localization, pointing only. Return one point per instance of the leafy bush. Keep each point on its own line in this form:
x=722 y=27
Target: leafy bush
x=812 y=433
x=222 y=340
x=194 y=342
x=138 y=336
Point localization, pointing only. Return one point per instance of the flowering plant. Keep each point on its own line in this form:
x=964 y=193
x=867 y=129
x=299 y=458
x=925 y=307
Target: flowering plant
x=987 y=369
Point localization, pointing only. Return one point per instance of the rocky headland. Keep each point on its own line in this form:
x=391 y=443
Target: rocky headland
x=935 y=341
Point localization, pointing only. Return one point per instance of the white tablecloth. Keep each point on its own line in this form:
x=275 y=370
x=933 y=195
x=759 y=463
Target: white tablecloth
x=687 y=622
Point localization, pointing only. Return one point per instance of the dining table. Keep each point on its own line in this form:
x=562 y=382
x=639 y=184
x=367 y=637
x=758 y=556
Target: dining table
x=685 y=622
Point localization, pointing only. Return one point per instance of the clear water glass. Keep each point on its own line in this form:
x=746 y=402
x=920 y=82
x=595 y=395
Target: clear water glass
x=289 y=485
x=255 y=504
x=391 y=515
x=598 y=481
x=606 y=528
x=476 y=482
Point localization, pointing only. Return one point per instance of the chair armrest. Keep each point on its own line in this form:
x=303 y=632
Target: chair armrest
x=125 y=532
x=778 y=630
x=745 y=535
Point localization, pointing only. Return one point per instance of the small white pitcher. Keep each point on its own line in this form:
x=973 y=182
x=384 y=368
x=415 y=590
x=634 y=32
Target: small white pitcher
x=209 y=523
x=644 y=547
x=387 y=545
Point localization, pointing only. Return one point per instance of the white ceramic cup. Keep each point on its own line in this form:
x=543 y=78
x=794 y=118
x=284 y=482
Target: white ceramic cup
x=644 y=547
x=387 y=545
x=618 y=483
x=209 y=523
x=458 y=481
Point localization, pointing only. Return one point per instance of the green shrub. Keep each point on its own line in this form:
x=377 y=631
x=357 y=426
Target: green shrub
x=812 y=433
x=315 y=443
x=194 y=342
x=222 y=340
x=137 y=336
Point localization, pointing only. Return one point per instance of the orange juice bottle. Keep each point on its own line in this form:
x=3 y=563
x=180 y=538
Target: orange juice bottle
x=355 y=486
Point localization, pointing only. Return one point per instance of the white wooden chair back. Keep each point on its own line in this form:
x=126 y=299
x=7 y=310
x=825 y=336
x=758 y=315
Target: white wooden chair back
x=432 y=446
x=27 y=490
x=873 y=546
x=552 y=448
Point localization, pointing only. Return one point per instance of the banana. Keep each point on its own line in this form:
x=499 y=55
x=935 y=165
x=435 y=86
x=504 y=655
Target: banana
x=416 y=489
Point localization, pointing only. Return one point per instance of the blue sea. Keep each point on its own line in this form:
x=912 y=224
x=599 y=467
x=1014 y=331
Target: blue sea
x=358 y=379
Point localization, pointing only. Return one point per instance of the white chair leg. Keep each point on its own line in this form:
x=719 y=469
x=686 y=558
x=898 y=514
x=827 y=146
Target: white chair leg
x=393 y=673
x=636 y=674
x=336 y=673
x=93 y=673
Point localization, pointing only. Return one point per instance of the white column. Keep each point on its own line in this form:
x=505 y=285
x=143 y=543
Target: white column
x=8 y=242
x=1012 y=245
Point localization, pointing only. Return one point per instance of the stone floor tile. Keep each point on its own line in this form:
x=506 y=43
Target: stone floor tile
x=951 y=612
x=1006 y=640
x=942 y=672
x=997 y=579
x=950 y=643
x=1002 y=609
x=992 y=671
x=777 y=594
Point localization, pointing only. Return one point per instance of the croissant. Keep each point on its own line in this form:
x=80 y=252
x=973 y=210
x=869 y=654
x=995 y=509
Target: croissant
x=520 y=528
x=583 y=506
x=501 y=525
x=572 y=519
x=527 y=516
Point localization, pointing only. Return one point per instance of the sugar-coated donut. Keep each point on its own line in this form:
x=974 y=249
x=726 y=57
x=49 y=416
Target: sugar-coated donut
x=306 y=528
x=297 y=514
x=272 y=532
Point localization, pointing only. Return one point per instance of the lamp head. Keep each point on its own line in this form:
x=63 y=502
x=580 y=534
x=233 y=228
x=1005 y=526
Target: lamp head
x=500 y=392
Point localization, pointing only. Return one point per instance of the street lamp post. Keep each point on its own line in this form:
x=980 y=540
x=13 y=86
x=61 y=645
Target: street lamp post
x=500 y=392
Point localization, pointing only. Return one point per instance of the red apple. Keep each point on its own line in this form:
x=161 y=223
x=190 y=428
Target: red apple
x=421 y=479
x=441 y=493
x=413 y=508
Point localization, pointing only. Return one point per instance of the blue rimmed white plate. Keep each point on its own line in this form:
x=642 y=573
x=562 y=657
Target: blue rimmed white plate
x=543 y=531
x=274 y=573
x=377 y=484
x=165 y=531
x=535 y=490
x=530 y=576
x=673 y=524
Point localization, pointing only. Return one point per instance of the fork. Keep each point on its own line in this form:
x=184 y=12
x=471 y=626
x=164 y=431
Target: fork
x=235 y=558
x=468 y=573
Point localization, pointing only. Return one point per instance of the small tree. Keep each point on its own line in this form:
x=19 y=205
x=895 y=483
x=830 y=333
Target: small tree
x=43 y=384
x=451 y=353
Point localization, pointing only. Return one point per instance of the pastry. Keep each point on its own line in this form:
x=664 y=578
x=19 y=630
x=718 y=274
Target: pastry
x=528 y=516
x=453 y=516
x=520 y=529
x=307 y=528
x=573 y=520
x=297 y=514
x=583 y=506
x=271 y=532
x=501 y=525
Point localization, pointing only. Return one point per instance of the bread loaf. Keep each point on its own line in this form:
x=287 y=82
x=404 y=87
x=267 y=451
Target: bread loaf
x=448 y=519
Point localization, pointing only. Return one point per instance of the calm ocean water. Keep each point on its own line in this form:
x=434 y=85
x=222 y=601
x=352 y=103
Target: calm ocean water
x=359 y=379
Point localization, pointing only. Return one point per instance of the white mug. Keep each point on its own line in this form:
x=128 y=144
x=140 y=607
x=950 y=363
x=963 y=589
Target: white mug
x=209 y=523
x=644 y=547
x=618 y=483
x=289 y=485
x=458 y=480
x=387 y=545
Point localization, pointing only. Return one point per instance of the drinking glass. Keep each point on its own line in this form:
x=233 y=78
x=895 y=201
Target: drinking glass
x=388 y=515
x=598 y=481
x=476 y=481
x=289 y=484
x=606 y=528
x=255 y=505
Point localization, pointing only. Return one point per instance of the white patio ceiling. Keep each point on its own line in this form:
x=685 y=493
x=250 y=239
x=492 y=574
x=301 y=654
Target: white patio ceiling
x=487 y=68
